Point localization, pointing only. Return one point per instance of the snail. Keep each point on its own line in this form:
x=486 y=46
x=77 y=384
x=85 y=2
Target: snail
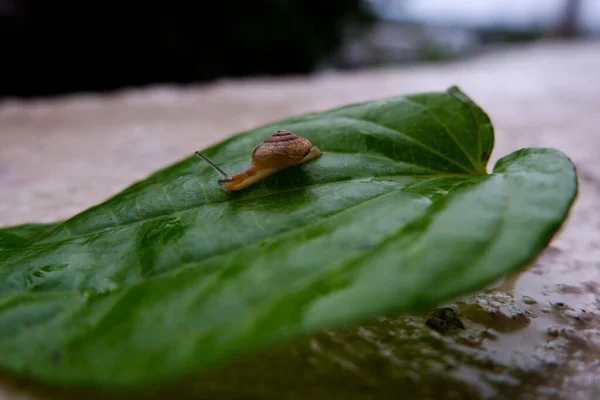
x=283 y=149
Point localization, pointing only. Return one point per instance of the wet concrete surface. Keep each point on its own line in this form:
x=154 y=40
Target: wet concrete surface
x=535 y=335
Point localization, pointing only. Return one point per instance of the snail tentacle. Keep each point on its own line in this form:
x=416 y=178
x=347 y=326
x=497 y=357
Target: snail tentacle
x=212 y=164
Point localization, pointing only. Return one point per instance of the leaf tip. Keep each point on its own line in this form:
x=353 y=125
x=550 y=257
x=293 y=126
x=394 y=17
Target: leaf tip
x=455 y=92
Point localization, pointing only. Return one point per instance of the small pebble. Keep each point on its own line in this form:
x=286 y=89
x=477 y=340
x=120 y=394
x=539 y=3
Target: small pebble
x=529 y=300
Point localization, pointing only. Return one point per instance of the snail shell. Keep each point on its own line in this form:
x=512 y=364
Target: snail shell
x=283 y=149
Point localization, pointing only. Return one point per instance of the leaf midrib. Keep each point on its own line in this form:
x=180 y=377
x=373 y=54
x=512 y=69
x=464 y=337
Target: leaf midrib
x=249 y=198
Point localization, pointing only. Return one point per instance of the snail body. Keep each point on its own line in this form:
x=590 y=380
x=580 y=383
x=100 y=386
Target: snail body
x=281 y=150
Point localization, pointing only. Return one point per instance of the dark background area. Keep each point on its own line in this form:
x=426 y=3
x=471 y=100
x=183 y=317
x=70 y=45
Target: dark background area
x=50 y=48
x=55 y=47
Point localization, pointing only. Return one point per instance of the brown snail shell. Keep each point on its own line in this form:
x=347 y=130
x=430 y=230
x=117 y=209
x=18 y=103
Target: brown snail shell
x=282 y=149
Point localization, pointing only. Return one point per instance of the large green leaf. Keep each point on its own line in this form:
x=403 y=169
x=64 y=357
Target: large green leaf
x=172 y=277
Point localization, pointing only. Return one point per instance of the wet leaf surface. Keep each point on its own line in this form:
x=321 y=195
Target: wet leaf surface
x=172 y=277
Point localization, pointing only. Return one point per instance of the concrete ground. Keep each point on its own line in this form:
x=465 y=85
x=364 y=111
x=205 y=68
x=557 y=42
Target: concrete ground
x=542 y=336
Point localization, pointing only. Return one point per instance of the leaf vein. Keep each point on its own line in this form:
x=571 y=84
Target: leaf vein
x=413 y=140
x=448 y=131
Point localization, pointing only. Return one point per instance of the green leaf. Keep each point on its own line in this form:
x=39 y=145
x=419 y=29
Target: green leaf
x=17 y=236
x=172 y=277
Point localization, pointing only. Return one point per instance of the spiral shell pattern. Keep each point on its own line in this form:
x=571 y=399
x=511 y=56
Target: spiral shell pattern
x=280 y=150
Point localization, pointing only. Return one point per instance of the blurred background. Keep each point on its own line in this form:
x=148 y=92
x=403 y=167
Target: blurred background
x=50 y=48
